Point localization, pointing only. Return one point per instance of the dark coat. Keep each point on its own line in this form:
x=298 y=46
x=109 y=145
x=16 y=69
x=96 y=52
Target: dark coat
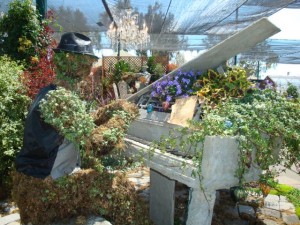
x=41 y=142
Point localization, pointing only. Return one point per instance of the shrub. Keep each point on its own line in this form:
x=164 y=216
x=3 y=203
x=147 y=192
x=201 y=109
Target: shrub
x=292 y=91
x=25 y=38
x=41 y=71
x=13 y=108
x=19 y=31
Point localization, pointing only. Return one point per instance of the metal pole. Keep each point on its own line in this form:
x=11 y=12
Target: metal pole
x=236 y=21
x=41 y=6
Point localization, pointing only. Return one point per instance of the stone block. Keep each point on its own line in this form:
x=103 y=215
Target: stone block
x=162 y=199
x=269 y=222
x=9 y=218
x=286 y=206
x=247 y=210
x=290 y=219
x=269 y=212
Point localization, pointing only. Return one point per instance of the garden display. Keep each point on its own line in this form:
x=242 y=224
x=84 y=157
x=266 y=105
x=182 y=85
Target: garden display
x=237 y=131
x=234 y=122
x=204 y=125
x=95 y=135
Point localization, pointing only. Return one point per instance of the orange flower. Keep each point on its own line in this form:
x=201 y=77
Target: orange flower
x=172 y=66
x=142 y=79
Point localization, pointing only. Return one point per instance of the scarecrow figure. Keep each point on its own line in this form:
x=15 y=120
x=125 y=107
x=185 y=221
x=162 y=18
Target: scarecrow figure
x=46 y=152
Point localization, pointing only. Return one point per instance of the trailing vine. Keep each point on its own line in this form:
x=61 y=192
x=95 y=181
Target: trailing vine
x=264 y=122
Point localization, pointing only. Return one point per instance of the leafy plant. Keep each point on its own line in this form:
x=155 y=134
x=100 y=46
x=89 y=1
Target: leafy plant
x=13 y=109
x=159 y=70
x=20 y=31
x=214 y=87
x=26 y=38
x=72 y=68
x=67 y=113
x=292 y=91
x=40 y=72
x=151 y=65
x=262 y=121
x=111 y=123
x=120 y=68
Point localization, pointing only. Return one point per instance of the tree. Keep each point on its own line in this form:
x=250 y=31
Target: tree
x=72 y=20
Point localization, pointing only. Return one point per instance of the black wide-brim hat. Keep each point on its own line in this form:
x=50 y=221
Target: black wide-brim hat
x=75 y=43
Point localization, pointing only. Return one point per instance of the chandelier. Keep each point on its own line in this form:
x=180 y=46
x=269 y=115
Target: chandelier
x=125 y=32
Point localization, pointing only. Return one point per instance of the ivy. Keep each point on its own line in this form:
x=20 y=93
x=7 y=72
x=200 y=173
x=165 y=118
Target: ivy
x=265 y=123
x=67 y=113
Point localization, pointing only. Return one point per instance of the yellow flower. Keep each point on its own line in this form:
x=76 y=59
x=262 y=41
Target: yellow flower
x=21 y=49
x=34 y=59
x=27 y=43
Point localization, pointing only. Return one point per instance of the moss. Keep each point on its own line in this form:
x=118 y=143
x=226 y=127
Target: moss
x=298 y=211
x=292 y=194
x=83 y=193
x=111 y=123
x=283 y=189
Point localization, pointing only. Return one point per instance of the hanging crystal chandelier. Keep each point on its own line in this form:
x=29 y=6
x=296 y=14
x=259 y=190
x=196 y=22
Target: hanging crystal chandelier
x=126 y=32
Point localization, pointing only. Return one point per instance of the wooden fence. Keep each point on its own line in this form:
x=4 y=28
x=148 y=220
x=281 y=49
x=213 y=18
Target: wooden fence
x=136 y=63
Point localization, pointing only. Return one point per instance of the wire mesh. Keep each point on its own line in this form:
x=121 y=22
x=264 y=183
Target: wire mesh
x=175 y=24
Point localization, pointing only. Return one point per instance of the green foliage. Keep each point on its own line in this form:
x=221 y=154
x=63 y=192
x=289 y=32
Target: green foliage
x=120 y=68
x=151 y=65
x=292 y=91
x=297 y=210
x=67 y=113
x=294 y=197
x=264 y=121
x=72 y=68
x=281 y=189
x=19 y=32
x=292 y=194
x=13 y=108
x=112 y=136
x=159 y=70
x=214 y=88
x=266 y=126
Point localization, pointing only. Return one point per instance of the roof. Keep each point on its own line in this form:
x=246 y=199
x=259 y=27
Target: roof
x=180 y=24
